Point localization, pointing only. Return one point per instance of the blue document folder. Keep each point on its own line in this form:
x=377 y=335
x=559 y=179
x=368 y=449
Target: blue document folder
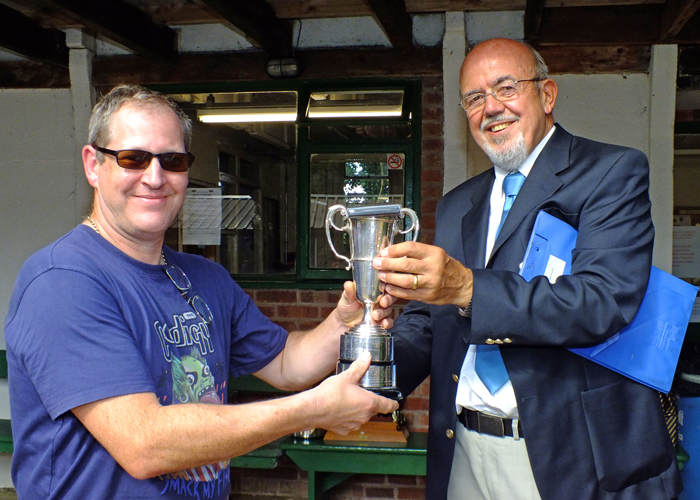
x=647 y=349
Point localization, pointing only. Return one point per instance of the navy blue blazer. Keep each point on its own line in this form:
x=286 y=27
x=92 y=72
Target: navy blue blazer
x=590 y=432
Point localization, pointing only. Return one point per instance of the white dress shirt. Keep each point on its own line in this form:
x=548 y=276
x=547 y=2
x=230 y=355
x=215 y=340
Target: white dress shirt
x=471 y=392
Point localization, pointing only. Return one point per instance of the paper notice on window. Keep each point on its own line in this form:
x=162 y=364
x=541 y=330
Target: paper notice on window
x=686 y=251
x=201 y=217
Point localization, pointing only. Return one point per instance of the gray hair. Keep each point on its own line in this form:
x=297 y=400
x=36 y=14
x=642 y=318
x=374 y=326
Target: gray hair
x=540 y=66
x=99 y=131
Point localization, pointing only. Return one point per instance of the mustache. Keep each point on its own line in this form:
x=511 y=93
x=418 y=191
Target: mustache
x=497 y=118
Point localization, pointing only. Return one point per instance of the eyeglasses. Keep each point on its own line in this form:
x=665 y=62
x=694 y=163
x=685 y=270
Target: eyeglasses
x=135 y=159
x=505 y=91
x=182 y=282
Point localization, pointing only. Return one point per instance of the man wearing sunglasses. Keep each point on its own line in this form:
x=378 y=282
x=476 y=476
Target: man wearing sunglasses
x=119 y=348
x=514 y=415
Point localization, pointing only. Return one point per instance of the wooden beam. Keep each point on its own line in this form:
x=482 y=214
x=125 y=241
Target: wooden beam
x=33 y=75
x=675 y=16
x=257 y=21
x=624 y=25
x=395 y=21
x=27 y=38
x=250 y=66
x=125 y=24
x=690 y=33
x=596 y=59
x=533 y=20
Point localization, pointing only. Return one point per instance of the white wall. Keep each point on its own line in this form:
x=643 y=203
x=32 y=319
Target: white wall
x=38 y=179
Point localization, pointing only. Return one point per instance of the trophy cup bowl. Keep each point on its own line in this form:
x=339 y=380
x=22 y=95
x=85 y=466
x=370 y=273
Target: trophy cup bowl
x=370 y=229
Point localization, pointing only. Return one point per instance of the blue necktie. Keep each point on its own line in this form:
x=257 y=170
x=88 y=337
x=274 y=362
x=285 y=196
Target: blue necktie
x=489 y=363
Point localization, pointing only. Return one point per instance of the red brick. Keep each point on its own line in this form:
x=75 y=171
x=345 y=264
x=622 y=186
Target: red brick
x=379 y=492
x=326 y=311
x=307 y=325
x=298 y=311
x=432 y=129
x=272 y=296
x=404 y=480
x=427 y=223
x=432 y=114
x=290 y=326
x=411 y=493
x=269 y=311
x=431 y=175
x=432 y=144
x=433 y=159
x=414 y=403
x=307 y=297
x=432 y=98
x=432 y=81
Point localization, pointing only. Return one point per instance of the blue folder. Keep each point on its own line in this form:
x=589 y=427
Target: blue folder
x=647 y=349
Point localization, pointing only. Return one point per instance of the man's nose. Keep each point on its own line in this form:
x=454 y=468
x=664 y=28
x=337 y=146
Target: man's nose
x=154 y=175
x=492 y=106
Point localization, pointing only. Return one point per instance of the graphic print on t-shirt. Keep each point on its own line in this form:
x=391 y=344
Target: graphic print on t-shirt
x=193 y=382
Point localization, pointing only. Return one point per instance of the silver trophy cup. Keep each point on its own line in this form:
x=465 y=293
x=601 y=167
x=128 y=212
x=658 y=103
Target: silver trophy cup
x=370 y=229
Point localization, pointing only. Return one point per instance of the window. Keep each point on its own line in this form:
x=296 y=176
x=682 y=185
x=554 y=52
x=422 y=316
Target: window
x=269 y=163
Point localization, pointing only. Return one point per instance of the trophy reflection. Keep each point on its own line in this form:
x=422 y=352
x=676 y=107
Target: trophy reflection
x=370 y=229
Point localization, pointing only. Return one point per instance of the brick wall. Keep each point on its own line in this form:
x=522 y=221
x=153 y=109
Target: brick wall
x=304 y=309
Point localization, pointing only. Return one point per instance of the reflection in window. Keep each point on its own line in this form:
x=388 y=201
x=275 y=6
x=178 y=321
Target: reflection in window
x=254 y=165
x=350 y=180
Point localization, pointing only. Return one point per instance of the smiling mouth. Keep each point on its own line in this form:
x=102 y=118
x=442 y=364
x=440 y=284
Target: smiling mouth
x=499 y=127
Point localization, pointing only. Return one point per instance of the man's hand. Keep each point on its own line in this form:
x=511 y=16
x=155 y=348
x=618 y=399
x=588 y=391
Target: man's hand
x=343 y=406
x=416 y=271
x=351 y=310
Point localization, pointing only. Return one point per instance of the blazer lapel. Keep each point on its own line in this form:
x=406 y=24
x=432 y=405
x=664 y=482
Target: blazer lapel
x=475 y=224
x=542 y=182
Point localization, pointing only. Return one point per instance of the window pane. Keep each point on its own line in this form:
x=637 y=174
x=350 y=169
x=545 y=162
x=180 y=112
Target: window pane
x=355 y=104
x=253 y=165
x=350 y=180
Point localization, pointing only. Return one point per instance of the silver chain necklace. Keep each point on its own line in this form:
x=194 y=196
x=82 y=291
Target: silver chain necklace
x=97 y=230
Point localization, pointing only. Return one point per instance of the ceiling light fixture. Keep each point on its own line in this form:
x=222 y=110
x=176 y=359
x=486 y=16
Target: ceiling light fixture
x=247 y=115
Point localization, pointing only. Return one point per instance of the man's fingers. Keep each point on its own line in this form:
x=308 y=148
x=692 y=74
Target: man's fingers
x=359 y=367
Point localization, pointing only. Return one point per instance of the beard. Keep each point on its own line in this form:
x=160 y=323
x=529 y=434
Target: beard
x=510 y=157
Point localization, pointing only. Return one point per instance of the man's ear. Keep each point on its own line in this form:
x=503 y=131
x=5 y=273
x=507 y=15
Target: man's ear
x=549 y=95
x=90 y=165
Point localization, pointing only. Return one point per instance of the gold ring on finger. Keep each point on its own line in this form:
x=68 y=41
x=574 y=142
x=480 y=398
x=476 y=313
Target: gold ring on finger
x=415 y=282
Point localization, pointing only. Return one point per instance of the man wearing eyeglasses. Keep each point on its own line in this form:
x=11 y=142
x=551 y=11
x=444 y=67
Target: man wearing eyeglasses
x=514 y=415
x=119 y=348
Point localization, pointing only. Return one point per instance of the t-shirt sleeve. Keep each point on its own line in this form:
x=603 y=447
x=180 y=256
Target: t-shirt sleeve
x=255 y=339
x=74 y=344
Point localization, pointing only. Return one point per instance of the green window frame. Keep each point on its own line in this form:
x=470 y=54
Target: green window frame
x=409 y=146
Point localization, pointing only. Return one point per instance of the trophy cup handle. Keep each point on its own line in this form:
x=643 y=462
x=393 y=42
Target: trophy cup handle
x=415 y=225
x=329 y=222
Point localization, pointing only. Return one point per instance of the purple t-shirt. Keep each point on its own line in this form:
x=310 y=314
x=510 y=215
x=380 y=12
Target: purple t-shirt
x=87 y=322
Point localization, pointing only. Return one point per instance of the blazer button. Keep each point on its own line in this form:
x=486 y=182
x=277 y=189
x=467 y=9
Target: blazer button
x=455 y=377
x=507 y=340
x=450 y=433
x=498 y=341
x=490 y=341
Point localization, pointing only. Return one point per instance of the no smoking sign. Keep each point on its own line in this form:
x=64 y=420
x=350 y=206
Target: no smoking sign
x=395 y=162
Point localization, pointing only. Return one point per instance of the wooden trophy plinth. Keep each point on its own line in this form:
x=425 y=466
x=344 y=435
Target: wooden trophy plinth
x=378 y=430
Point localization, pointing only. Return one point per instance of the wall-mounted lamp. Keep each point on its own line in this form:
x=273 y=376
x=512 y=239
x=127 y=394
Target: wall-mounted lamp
x=287 y=67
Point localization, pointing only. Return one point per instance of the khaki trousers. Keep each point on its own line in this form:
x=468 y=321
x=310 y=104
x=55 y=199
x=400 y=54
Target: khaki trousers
x=490 y=468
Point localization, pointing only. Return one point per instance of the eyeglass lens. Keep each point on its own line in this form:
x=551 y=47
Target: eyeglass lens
x=136 y=159
x=183 y=284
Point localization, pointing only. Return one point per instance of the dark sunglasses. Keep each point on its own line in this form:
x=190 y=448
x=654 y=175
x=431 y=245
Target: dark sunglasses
x=182 y=282
x=135 y=159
